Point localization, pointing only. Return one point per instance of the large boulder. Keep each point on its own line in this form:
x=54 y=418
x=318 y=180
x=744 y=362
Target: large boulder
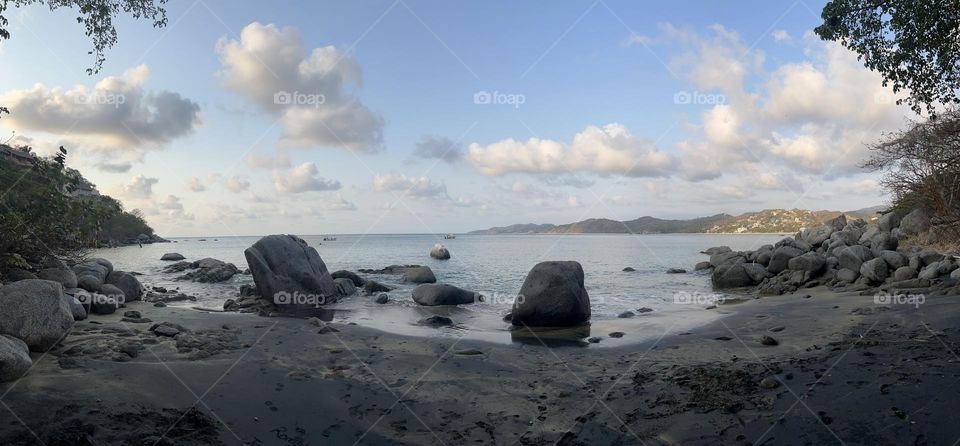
x=35 y=311
x=18 y=274
x=286 y=264
x=731 y=275
x=848 y=276
x=419 y=274
x=811 y=261
x=888 y=221
x=781 y=256
x=92 y=274
x=552 y=295
x=916 y=222
x=65 y=277
x=904 y=273
x=817 y=235
x=868 y=233
x=852 y=257
x=76 y=307
x=431 y=294
x=14 y=358
x=837 y=223
x=172 y=256
x=440 y=252
x=875 y=270
x=128 y=284
x=724 y=257
x=929 y=257
x=756 y=271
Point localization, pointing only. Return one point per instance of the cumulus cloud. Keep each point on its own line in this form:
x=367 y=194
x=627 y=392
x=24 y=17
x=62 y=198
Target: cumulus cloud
x=421 y=187
x=117 y=114
x=310 y=93
x=340 y=204
x=302 y=178
x=781 y=35
x=611 y=149
x=139 y=187
x=435 y=147
x=237 y=184
x=811 y=117
x=195 y=185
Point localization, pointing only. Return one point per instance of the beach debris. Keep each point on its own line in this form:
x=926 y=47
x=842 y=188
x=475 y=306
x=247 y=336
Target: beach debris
x=768 y=340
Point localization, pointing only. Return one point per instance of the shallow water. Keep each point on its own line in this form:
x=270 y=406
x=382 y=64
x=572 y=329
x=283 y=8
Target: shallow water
x=494 y=265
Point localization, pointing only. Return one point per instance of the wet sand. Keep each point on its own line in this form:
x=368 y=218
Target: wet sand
x=845 y=371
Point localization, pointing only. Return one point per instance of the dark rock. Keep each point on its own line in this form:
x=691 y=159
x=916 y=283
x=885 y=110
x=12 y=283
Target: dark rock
x=875 y=270
x=700 y=266
x=420 y=274
x=432 y=294
x=436 y=321
x=594 y=339
x=716 y=250
x=769 y=383
x=64 y=277
x=172 y=256
x=780 y=258
x=14 y=358
x=731 y=275
x=18 y=274
x=382 y=298
x=853 y=256
x=916 y=222
x=626 y=314
x=439 y=252
x=894 y=259
x=630 y=269
x=676 y=271
x=127 y=283
x=210 y=270
x=811 y=262
x=345 y=286
x=616 y=334
x=552 y=295
x=286 y=264
x=372 y=286
x=887 y=222
x=767 y=340
x=848 y=276
x=344 y=274
x=644 y=310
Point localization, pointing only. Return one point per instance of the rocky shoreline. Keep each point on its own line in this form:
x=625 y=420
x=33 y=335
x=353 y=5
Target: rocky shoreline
x=798 y=366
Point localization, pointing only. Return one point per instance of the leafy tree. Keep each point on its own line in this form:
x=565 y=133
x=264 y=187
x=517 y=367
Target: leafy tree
x=97 y=17
x=913 y=44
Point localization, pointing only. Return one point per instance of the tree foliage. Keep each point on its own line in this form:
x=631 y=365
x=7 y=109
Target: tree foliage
x=97 y=18
x=39 y=219
x=913 y=44
x=921 y=167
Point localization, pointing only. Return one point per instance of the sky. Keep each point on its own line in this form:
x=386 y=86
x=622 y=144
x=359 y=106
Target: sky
x=406 y=116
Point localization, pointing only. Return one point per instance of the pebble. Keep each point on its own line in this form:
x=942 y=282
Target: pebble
x=769 y=383
x=617 y=334
x=777 y=329
x=767 y=340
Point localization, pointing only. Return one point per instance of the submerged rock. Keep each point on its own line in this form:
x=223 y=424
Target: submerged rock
x=420 y=274
x=552 y=295
x=172 y=256
x=344 y=274
x=372 y=286
x=442 y=294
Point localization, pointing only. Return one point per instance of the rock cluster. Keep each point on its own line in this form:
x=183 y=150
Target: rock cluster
x=852 y=254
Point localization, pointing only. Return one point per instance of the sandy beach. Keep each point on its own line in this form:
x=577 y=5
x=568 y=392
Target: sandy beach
x=846 y=370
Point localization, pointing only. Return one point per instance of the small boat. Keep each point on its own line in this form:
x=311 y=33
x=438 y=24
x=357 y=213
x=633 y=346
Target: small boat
x=449 y=236
x=329 y=239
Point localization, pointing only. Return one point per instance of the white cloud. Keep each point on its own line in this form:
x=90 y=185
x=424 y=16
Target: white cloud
x=781 y=35
x=421 y=187
x=114 y=167
x=340 y=204
x=237 y=184
x=308 y=93
x=302 y=178
x=195 y=185
x=139 y=187
x=608 y=150
x=117 y=114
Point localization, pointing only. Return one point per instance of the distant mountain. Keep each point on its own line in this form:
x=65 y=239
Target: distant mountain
x=765 y=221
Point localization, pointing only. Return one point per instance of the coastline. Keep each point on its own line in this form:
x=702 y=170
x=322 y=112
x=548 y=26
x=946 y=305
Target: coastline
x=856 y=367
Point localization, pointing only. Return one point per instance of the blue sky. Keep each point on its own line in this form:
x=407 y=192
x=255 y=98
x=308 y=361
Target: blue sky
x=674 y=110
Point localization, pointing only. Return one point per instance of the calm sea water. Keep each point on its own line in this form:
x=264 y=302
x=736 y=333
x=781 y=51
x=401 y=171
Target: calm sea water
x=494 y=265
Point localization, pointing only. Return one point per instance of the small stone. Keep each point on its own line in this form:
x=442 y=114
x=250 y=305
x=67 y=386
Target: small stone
x=132 y=314
x=594 y=339
x=382 y=298
x=628 y=270
x=777 y=329
x=676 y=271
x=644 y=310
x=436 y=321
x=468 y=352
x=767 y=340
x=769 y=383
x=626 y=314
x=617 y=334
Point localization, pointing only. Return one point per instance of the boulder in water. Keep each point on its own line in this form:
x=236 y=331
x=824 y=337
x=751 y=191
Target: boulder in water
x=552 y=295
x=172 y=256
x=440 y=252
x=286 y=264
x=345 y=286
x=344 y=274
x=431 y=294
x=420 y=274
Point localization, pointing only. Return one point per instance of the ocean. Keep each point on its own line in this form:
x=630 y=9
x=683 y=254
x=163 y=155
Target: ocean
x=494 y=265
